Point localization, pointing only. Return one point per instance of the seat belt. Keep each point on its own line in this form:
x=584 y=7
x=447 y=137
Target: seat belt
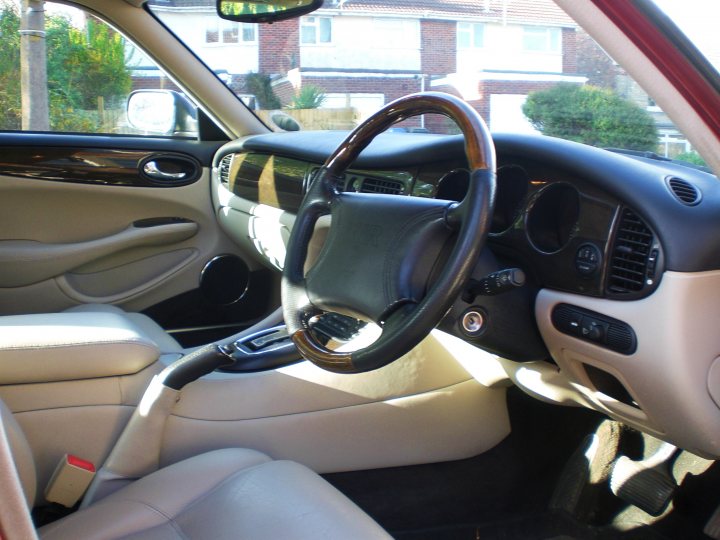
x=15 y=520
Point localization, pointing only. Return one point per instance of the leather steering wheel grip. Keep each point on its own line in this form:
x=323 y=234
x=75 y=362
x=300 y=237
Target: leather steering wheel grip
x=387 y=244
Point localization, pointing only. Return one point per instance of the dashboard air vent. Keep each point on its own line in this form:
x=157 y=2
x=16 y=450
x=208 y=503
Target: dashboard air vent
x=342 y=183
x=684 y=191
x=630 y=254
x=378 y=185
x=224 y=169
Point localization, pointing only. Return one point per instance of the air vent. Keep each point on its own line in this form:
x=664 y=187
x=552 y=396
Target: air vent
x=684 y=191
x=224 y=169
x=341 y=183
x=378 y=185
x=630 y=254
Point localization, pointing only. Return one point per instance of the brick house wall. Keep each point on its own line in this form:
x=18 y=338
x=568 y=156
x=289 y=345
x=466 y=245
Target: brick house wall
x=569 y=50
x=153 y=83
x=439 y=47
x=285 y=91
x=279 y=45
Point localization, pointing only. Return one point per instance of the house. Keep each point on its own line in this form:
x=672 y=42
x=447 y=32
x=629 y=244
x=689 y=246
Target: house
x=492 y=60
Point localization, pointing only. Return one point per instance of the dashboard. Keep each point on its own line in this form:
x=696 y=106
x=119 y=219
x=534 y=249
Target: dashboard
x=610 y=315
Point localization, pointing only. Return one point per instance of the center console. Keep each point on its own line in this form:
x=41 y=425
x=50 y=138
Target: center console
x=271 y=348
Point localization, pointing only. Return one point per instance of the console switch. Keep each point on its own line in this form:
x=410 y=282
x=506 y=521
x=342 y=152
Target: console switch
x=267 y=340
x=594 y=327
x=587 y=259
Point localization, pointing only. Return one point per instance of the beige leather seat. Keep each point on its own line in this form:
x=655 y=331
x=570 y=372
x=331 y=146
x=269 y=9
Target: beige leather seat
x=228 y=494
x=144 y=325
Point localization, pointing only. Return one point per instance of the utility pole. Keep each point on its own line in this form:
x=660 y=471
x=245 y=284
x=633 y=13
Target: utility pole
x=33 y=66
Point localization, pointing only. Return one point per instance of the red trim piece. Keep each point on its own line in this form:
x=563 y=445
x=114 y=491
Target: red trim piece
x=80 y=463
x=698 y=92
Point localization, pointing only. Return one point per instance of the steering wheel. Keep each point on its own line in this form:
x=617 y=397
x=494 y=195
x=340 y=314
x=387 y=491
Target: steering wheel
x=386 y=258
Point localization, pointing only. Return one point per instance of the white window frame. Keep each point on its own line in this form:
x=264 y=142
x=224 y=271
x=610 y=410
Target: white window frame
x=315 y=22
x=550 y=35
x=221 y=26
x=471 y=29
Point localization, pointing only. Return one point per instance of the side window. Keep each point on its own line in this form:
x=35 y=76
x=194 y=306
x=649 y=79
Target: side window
x=77 y=72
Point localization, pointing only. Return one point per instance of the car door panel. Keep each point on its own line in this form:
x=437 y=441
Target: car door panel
x=24 y=262
x=80 y=222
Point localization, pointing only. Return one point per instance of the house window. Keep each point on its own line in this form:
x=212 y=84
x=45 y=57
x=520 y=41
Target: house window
x=249 y=33
x=314 y=30
x=541 y=39
x=470 y=35
x=219 y=31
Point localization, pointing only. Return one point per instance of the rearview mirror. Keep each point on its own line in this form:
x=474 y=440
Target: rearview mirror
x=162 y=112
x=265 y=11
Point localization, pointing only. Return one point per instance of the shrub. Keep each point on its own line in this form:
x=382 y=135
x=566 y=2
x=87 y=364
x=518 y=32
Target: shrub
x=260 y=86
x=591 y=115
x=309 y=97
x=691 y=157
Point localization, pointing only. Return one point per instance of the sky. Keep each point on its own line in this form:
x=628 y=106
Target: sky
x=699 y=20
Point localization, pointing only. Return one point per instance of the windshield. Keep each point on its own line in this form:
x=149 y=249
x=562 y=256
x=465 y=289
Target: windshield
x=523 y=64
x=698 y=21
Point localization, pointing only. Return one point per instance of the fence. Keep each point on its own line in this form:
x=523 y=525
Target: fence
x=313 y=119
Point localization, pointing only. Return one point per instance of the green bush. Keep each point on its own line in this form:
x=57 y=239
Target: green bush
x=309 y=97
x=260 y=86
x=591 y=115
x=10 y=107
x=83 y=64
x=691 y=157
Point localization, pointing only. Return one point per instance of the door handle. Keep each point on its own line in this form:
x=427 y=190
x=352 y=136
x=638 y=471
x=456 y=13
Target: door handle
x=153 y=171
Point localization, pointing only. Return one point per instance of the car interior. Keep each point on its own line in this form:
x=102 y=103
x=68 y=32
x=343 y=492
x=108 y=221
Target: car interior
x=250 y=332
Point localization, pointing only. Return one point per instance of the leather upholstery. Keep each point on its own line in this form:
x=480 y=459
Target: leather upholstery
x=230 y=493
x=21 y=453
x=143 y=324
x=71 y=346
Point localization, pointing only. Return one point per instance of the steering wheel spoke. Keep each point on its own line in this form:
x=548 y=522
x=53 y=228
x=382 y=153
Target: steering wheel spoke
x=380 y=259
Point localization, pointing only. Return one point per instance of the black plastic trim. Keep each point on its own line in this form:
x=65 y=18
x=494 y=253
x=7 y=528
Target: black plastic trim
x=561 y=319
x=275 y=354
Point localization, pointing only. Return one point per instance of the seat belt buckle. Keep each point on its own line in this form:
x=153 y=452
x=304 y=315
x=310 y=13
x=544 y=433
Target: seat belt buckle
x=70 y=480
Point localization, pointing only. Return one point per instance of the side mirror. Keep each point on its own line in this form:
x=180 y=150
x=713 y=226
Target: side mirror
x=265 y=11
x=162 y=112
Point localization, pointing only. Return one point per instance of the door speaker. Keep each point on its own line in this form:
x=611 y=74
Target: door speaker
x=224 y=280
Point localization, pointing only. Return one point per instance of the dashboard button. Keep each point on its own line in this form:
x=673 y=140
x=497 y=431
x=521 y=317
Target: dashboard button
x=587 y=259
x=593 y=329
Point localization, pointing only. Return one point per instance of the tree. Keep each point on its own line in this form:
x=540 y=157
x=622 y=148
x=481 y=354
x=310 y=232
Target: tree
x=591 y=115
x=260 y=85
x=10 y=108
x=33 y=71
x=83 y=64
